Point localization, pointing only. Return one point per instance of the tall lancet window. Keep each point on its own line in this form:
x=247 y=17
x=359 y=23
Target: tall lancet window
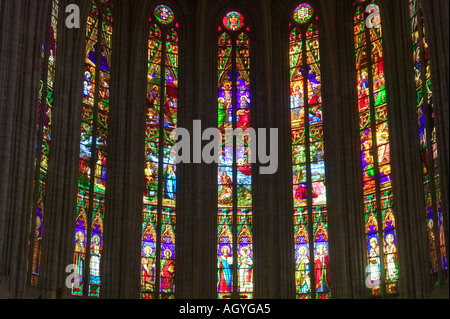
x=430 y=163
x=160 y=189
x=44 y=127
x=88 y=239
x=234 y=198
x=312 y=274
x=378 y=213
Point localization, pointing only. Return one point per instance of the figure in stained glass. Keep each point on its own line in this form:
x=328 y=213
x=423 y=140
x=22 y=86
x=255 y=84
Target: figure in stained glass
x=227 y=188
x=302 y=273
x=168 y=271
x=88 y=90
x=374 y=262
x=321 y=269
x=148 y=269
x=391 y=259
x=79 y=256
x=170 y=186
x=225 y=270
x=245 y=269
x=222 y=113
x=95 y=260
x=432 y=244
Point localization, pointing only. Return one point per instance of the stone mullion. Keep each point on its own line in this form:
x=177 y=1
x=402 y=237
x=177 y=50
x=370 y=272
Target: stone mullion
x=310 y=226
x=376 y=161
x=159 y=222
x=234 y=224
x=123 y=198
x=265 y=189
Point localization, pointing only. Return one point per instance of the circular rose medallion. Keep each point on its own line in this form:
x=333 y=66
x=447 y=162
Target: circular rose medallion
x=164 y=14
x=303 y=13
x=233 y=21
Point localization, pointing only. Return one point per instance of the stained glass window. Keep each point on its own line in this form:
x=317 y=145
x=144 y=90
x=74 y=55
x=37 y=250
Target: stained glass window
x=235 y=243
x=379 y=209
x=159 y=199
x=93 y=157
x=312 y=276
x=44 y=126
x=428 y=142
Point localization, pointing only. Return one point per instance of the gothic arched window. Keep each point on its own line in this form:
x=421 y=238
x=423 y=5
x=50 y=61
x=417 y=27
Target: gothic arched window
x=235 y=243
x=93 y=151
x=312 y=276
x=380 y=228
x=428 y=141
x=159 y=199
x=44 y=126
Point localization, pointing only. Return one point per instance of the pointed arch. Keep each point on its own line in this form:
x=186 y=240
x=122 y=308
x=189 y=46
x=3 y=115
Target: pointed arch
x=225 y=236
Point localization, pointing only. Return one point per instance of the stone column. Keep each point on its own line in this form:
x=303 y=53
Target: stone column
x=199 y=228
x=122 y=221
x=342 y=152
x=405 y=154
x=275 y=191
x=190 y=266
